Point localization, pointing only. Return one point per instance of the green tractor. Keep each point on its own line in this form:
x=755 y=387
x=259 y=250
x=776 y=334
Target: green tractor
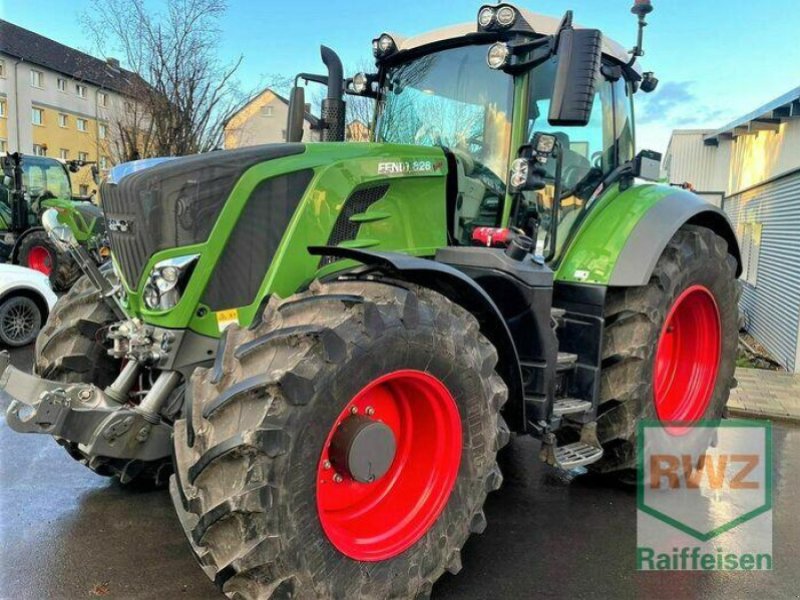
x=30 y=186
x=329 y=343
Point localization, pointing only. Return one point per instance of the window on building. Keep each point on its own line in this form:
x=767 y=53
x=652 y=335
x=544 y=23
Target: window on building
x=63 y=154
x=80 y=89
x=37 y=116
x=3 y=145
x=37 y=78
x=102 y=131
x=39 y=150
x=750 y=242
x=83 y=124
x=83 y=156
x=102 y=99
x=2 y=68
x=62 y=120
x=104 y=162
x=62 y=84
x=2 y=108
x=268 y=111
x=83 y=190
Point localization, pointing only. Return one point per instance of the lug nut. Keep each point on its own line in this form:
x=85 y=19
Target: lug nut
x=353 y=410
x=370 y=411
x=338 y=478
x=326 y=465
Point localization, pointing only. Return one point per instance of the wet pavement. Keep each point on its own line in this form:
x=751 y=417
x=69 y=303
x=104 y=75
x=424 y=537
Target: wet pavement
x=67 y=533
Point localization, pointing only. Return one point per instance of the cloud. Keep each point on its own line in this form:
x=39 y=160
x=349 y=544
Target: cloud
x=674 y=104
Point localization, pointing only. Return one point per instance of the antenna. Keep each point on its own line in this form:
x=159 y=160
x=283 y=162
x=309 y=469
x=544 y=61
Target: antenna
x=641 y=8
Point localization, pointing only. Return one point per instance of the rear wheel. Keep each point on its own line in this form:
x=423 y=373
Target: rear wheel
x=37 y=252
x=670 y=347
x=343 y=448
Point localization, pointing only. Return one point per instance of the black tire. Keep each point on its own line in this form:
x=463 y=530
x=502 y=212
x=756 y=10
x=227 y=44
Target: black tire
x=70 y=348
x=250 y=512
x=20 y=320
x=64 y=271
x=634 y=320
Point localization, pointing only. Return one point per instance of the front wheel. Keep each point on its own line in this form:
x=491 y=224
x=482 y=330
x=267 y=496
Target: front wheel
x=342 y=449
x=669 y=351
x=37 y=252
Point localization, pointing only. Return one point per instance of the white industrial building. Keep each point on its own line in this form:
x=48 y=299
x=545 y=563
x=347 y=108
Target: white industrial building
x=751 y=167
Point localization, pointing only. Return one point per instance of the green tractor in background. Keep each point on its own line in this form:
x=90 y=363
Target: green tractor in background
x=30 y=186
x=329 y=344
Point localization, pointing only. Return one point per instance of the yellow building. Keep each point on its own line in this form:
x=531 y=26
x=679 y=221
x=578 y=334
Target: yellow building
x=263 y=120
x=56 y=101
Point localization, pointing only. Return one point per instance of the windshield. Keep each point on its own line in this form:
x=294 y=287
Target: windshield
x=452 y=99
x=45 y=178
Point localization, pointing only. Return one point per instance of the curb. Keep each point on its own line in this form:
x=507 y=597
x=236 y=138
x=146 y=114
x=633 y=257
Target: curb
x=766 y=416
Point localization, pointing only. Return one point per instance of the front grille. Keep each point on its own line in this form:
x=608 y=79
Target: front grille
x=175 y=203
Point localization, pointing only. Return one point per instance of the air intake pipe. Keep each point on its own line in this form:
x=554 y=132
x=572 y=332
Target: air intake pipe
x=333 y=106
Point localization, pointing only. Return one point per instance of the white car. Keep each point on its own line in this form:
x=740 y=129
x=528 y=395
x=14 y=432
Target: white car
x=25 y=301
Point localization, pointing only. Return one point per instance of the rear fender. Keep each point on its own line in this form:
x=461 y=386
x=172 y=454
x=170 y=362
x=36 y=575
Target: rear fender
x=462 y=290
x=621 y=240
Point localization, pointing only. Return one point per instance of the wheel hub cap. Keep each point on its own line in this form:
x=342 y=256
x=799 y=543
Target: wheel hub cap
x=363 y=449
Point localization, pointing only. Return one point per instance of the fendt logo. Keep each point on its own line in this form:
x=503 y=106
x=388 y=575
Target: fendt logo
x=704 y=496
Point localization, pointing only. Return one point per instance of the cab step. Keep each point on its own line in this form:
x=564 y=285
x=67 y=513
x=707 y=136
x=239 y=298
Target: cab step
x=570 y=406
x=566 y=361
x=574 y=455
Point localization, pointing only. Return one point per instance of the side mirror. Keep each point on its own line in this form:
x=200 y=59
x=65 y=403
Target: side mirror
x=61 y=235
x=297 y=114
x=579 y=57
x=647 y=165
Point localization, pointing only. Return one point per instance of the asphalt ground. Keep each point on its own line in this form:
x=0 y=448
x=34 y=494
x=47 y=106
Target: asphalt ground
x=67 y=533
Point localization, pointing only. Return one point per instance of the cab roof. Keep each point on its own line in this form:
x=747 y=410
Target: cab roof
x=541 y=24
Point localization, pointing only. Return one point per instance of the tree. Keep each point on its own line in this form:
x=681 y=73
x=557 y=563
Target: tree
x=179 y=94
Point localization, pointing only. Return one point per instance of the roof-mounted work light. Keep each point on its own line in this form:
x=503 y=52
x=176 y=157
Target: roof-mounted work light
x=497 y=18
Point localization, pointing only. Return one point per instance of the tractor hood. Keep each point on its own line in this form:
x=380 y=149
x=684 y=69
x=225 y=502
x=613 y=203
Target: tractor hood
x=174 y=202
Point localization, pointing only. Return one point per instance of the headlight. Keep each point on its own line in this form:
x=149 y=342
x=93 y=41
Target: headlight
x=167 y=281
x=498 y=55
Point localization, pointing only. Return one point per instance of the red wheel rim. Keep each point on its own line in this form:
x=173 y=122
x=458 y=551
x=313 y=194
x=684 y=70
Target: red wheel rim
x=379 y=520
x=40 y=259
x=687 y=357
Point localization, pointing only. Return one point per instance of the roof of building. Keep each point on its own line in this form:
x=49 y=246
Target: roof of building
x=34 y=48
x=312 y=120
x=767 y=117
x=541 y=24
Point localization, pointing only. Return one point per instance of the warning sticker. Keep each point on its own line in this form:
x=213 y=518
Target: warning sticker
x=227 y=317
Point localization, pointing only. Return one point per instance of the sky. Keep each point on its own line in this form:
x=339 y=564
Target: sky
x=716 y=59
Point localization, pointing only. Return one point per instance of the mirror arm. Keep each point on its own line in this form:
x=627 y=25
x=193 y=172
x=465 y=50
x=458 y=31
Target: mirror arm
x=559 y=187
x=322 y=79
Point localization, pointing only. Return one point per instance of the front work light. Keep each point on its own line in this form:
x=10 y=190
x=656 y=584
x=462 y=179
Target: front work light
x=493 y=18
x=486 y=17
x=167 y=281
x=499 y=54
x=360 y=83
x=383 y=46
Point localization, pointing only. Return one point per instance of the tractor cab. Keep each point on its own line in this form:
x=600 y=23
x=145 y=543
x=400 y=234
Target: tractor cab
x=485 y=92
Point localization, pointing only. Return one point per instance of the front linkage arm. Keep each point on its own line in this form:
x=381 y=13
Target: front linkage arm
x=85 y=415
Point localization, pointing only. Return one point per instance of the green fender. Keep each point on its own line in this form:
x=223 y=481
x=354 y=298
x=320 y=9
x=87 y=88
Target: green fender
x=622 y=237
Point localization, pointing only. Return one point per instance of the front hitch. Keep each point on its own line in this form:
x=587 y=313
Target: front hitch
x=83 y=414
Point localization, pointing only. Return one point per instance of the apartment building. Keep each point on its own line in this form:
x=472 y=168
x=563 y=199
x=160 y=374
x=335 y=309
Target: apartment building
x=59 y=102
